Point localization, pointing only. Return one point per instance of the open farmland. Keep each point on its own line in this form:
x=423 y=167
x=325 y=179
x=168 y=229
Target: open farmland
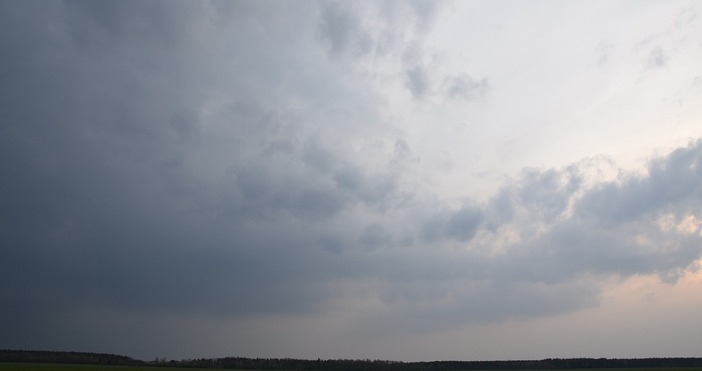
x=68 y=367
x=5 y=366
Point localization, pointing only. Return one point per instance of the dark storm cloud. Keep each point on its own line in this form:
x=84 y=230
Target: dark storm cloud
x=158 y=170
x=122 y=185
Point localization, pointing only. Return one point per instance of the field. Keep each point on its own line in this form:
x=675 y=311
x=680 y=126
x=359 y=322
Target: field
x=64 y=367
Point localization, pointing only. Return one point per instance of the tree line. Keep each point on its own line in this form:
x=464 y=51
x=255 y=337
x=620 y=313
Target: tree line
x=346 y=364
x=41 y=356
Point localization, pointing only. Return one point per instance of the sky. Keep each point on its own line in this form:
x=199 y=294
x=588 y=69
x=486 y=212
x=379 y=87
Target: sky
x=403 y=180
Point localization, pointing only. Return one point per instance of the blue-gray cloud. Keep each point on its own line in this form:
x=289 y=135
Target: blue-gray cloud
x=153 y=168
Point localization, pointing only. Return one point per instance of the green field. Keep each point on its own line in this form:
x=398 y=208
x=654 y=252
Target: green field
x=64 y=367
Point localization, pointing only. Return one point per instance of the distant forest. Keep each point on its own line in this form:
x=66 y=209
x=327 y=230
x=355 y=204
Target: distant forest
x=344 y=364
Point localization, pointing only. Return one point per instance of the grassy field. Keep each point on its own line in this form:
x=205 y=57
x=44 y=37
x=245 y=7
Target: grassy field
x=63 y=367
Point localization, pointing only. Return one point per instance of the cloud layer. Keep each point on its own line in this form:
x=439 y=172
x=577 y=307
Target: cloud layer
x=225 y=161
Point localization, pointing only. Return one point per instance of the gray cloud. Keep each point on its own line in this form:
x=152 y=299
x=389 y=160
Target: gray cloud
x=465 y=87
x=461 y=224
x=363 y=29
x=671 y=185
x=547 y=193
x=153 y=169
x=657 y=58
x=344 y=30
x=132 y=180
x=418 y=81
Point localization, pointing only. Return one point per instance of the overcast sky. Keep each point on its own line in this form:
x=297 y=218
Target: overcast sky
x=399 y=180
